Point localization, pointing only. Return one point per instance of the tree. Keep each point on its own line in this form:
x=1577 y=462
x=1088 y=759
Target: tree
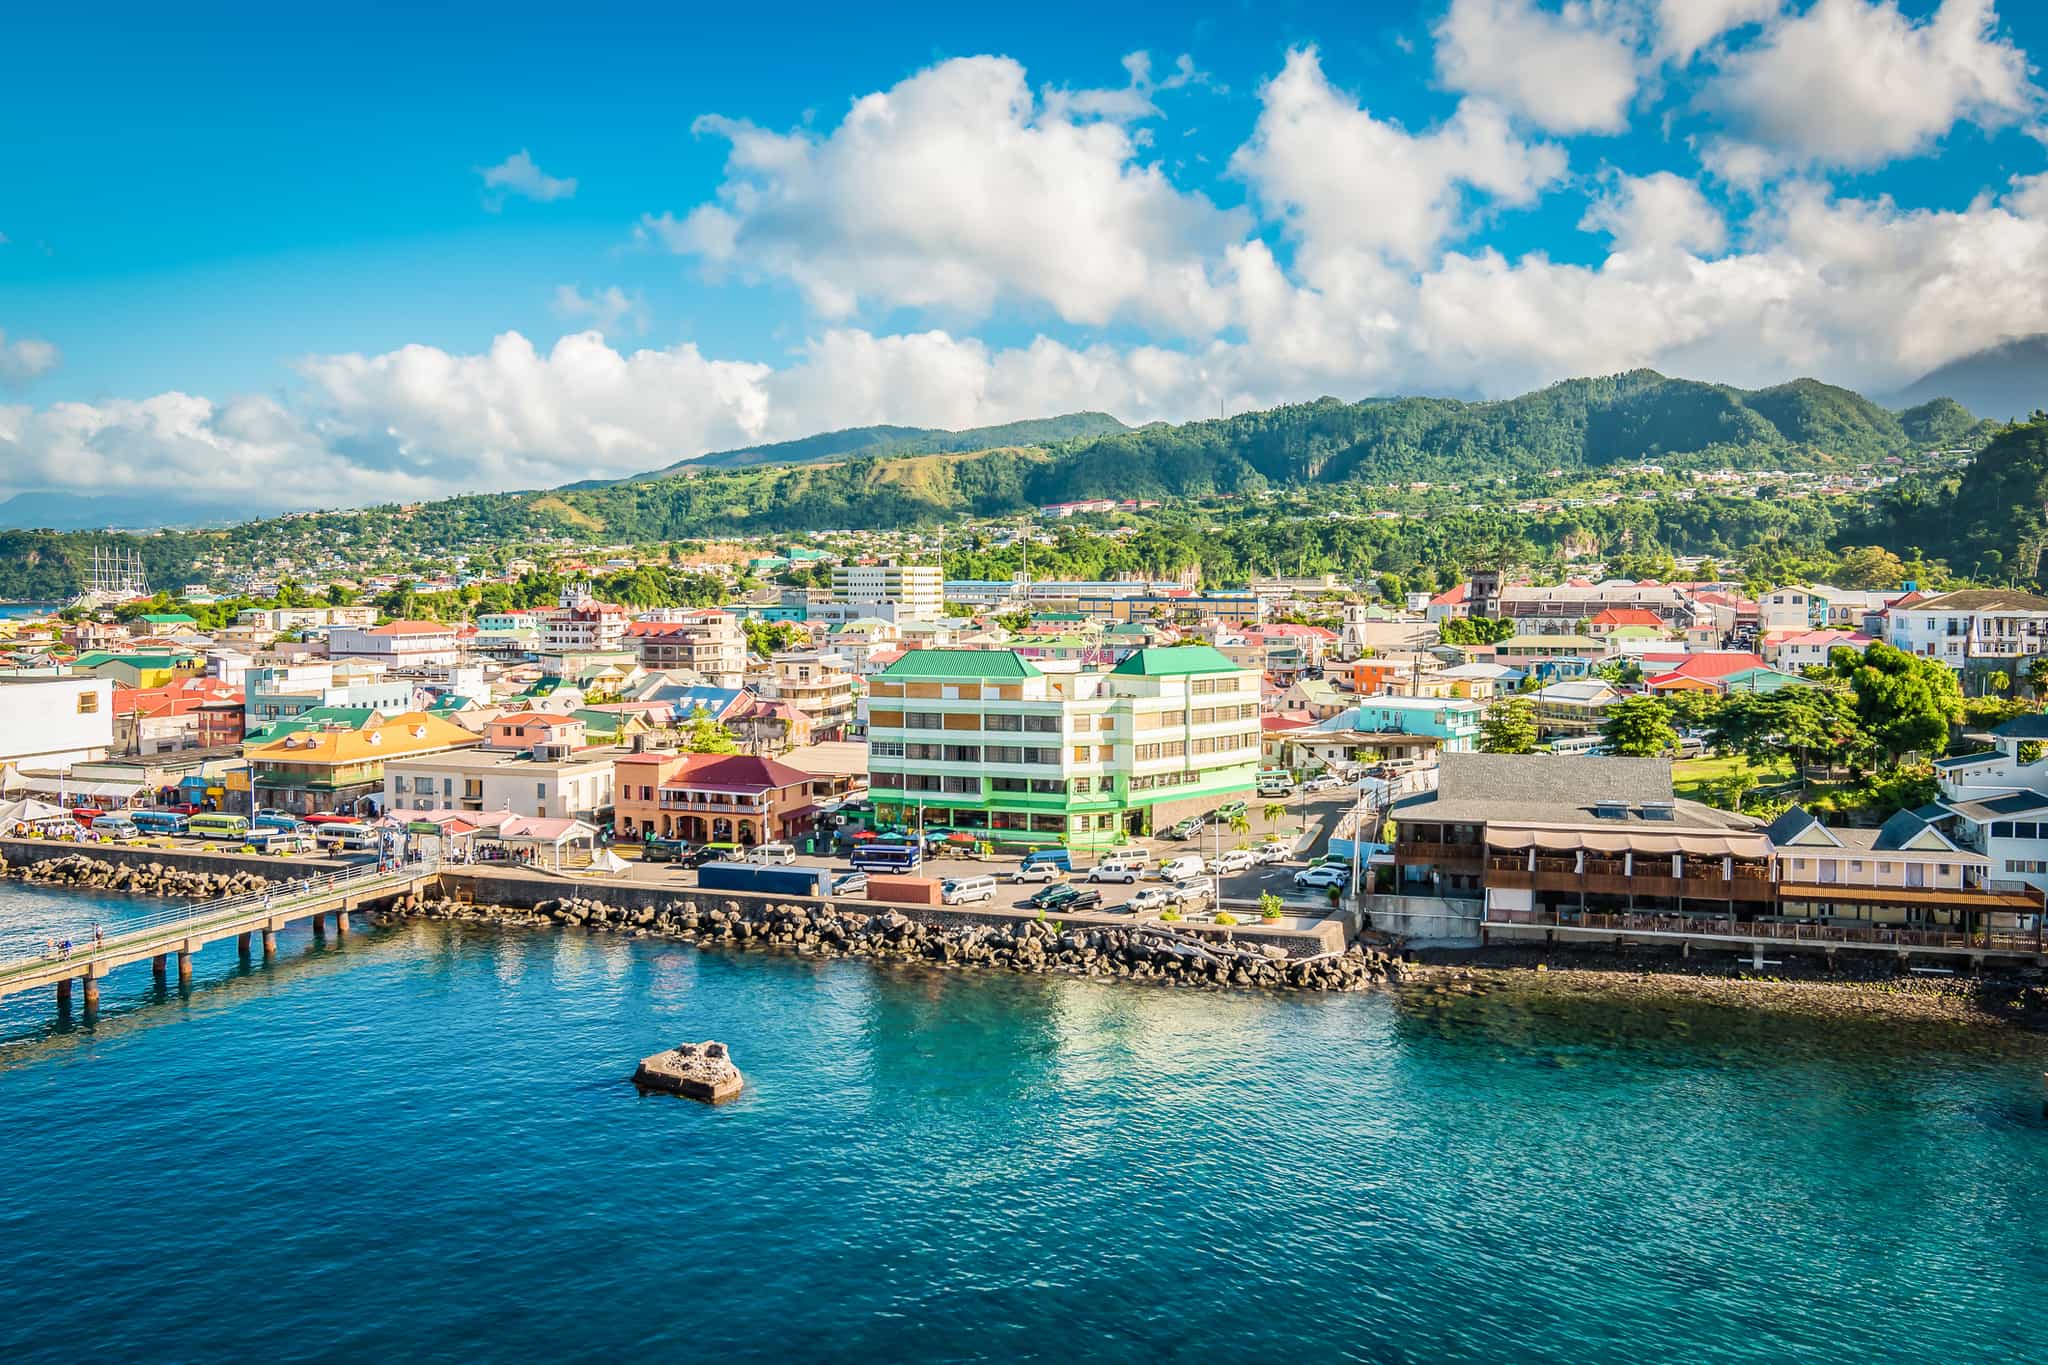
x=1240 y=823
x=1905 y=702
x=1509 y=727
x=2037 y=675
x=1273 y=812
x=1639 y=727
x=1999 y=683
x=703 y=735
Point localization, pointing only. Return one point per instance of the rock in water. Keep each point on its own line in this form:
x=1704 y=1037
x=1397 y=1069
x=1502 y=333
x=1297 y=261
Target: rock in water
x=696 y=1071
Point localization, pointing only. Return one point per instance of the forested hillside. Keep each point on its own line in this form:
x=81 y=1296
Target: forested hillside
x=859 y=442
x=1991 y=522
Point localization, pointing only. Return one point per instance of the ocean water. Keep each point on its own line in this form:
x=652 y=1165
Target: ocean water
x=420 y=1144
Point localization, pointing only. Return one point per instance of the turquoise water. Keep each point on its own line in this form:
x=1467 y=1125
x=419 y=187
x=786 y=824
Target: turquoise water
x=420 y=1144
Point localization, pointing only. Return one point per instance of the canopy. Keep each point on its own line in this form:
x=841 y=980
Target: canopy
x=1632 y=839
x=607 y=861
x=33 y=812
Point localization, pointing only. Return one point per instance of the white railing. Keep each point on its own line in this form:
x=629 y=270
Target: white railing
x=276 y=899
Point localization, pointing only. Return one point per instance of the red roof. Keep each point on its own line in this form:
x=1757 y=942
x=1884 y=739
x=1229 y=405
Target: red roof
x=1452 y=597
x=736 y=772
x=1285 y=722
x=1628 y=616
x=1710 y=667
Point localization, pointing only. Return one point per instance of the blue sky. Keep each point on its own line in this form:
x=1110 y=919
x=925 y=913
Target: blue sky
x=242 y=237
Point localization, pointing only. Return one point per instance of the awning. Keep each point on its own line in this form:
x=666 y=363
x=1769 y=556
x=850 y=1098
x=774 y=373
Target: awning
x=1613 y=842
x=1508 y=839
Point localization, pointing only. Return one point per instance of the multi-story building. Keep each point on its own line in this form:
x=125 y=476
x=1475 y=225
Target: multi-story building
x=1232 y=609
x=817 y=683
x=282 y=692
x=1453 y=722
x=400 y=644
x=1560 y=608
x=51 y=723
x=343 y=769
x=889 y=589
x=2001 y=626
x=1907 y=874
x=540 y=781
x=712 y=798
x=708 y=643
x=583 y=627
x=987 y=742
x=1541 y=832
x=1578 y=706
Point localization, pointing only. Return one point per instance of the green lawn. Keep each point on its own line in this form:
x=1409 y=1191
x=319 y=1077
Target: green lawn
x=1695 y=778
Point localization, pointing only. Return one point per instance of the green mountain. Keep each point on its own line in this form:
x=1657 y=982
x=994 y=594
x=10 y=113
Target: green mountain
x=2008 y=381
x=859 y=442
x=1990 y=522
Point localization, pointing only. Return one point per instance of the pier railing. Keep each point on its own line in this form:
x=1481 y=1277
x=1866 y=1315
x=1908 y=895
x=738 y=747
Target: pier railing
x=288 y=898
x=1781 y=931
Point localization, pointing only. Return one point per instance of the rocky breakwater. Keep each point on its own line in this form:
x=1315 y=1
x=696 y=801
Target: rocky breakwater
x=147 y=879
x=696 y=1071
x=1140 y=952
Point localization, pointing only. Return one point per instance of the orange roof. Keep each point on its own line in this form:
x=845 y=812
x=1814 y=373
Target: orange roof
x=415 y=732
x=411 y=628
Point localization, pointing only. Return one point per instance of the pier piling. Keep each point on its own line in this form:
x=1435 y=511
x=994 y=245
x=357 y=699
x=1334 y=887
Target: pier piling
x=184 y=967
x=160 y=968
x=64 y=997
x=269 y=943
x=242 y=944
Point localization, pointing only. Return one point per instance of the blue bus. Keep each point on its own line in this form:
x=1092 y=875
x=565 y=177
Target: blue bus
x=877 y=857
x=159 y=821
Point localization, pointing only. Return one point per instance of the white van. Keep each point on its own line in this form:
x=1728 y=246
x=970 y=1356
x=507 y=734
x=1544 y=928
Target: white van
x=963 y=890
x=115 y=824
x=1180 y=868
x=1118 y=867
x=773 y=853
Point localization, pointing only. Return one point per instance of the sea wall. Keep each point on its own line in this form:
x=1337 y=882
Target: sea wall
x=1135 y=951
x=1425 y=920
x=219 y=863
x=527 y=890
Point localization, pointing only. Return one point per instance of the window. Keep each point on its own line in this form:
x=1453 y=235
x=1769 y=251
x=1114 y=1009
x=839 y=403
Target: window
x=923 y=720
x=1083 y=785
x=1009 y=724
x=88 y=703
x=1044 y=725
x=540 y=791
x=1002 y=753
x=923 y=753
x=886 y=748
x=397 y=784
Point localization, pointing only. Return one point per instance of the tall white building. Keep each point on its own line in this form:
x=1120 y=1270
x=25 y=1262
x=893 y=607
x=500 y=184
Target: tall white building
x=890 y=590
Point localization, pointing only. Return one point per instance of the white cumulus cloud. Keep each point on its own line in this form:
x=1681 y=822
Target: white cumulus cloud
x=518 y=174
x=1855 y=84
x=958 y=189
x=1686 y=26
x=1570 y=70
x=25 y=358
x=608 y=310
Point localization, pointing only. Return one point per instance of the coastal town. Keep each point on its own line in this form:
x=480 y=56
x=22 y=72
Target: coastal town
x=1597 y=759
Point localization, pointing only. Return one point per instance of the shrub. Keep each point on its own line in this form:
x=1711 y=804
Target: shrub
x=1269 y=906
x=1225 y=917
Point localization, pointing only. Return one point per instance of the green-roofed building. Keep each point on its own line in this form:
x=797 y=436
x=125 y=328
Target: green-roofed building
x=169 y=618
x=1021 y=753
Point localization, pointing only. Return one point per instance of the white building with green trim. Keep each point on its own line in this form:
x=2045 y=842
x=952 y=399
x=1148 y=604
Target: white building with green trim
x=1018 y=751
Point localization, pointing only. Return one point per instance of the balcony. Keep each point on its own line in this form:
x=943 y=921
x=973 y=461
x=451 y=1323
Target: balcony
x=1416 y=852
x=712 y=804
x=1610 y=877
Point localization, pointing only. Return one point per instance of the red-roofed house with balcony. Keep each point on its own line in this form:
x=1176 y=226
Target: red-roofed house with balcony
x=711 y=798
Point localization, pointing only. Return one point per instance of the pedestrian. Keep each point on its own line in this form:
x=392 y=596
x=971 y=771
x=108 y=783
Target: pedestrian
x=99 y=936
x=64 y=950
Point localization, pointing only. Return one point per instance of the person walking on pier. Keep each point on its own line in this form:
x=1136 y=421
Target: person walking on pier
x=99 y=936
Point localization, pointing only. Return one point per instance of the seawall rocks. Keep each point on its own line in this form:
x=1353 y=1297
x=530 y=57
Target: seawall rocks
x=148 y=879
x=1140 y=952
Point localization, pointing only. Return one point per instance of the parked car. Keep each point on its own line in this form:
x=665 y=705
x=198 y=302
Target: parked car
x=1123 y=868
x=1150 y=898
x=708 y=853
x=966 y=890
x=191 y=808
x=1321 y=782
x=776 y=854
x=1323 y=874
x=1038 y=872
x=1275 y=787
x=1273 y=851
x=849 y=883
x=1230 y=810
x=1061 y=896
x=1189 y=891
x=1230 y=860
x=1186 y=829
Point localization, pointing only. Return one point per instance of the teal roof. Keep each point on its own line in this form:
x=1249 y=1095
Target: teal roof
x=959 y=663
x=1177 y=659
x=99 y=656
x=170 y=618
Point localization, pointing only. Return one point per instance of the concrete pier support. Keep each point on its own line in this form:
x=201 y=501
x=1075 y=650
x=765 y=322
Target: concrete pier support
x=319 y=928
x=160 y=968
x=92 y=995
x=64 y=996
x=184 y=966
x=341 y=924
x=269 y=944
x=1756 y=957
x=242 y=944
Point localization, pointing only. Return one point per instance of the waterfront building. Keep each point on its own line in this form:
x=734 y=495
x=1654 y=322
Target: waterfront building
x=1542 y=833
x=539 y=781
x=988 y=742
x=817 y=683
x=53 y=722
x=343 y=770
x=1907 y=874
x=712 y=798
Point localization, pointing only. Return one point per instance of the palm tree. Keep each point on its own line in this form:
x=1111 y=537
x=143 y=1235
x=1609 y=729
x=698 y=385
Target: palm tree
x=1241 y=823
x=1273 y=812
